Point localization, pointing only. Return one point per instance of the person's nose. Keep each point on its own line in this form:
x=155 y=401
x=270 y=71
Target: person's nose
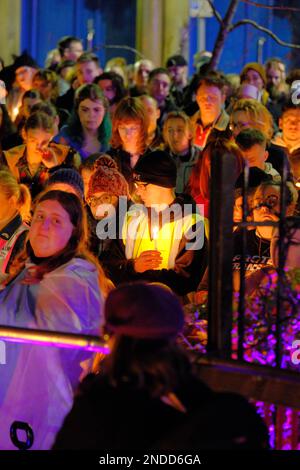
x=138 y=190
x=264 y=209
x=40 y=146
x=45 y=224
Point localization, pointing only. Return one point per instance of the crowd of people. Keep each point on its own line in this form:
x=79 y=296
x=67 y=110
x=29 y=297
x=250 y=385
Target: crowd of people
x=105 y=179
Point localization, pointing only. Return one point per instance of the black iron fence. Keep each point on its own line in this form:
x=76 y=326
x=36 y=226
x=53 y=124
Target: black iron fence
x=277 y=390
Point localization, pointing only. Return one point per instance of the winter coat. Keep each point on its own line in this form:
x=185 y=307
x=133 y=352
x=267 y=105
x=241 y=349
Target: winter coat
x=114 y=418
x=124 y=418
x=15 y=159
x=181 y=241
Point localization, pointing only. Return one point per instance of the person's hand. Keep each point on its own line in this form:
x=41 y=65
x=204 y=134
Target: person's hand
x=150 y=259
x=48 y=157
x=201 y=297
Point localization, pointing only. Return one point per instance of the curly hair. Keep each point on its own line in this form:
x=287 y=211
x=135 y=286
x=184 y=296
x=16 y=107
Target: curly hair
x=50 y=77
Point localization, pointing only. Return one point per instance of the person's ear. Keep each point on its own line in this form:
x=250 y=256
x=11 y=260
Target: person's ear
x=56 y=121
x=157 y=113
x=280 y=123
x=24 y=134
x=266 y=154
x=13 y=201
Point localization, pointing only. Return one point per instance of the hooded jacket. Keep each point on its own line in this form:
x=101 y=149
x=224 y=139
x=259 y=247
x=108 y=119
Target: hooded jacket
x=37 y=382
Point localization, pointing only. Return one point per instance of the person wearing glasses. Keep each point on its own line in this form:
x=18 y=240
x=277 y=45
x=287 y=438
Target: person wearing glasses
x=249 y=113
x=265 y=209
x=162 y=239
x=107 y=196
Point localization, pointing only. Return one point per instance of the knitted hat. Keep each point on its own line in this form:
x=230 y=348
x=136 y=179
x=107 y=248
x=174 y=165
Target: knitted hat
x=143 y=311
x=67 y=176
x=107 y=178
x=157 y=168
x=257 y=67
x=178 y=60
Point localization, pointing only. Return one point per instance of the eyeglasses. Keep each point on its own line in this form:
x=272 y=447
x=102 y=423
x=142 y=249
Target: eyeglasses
x=241 y=125
x=270 y=202
x=96 y=201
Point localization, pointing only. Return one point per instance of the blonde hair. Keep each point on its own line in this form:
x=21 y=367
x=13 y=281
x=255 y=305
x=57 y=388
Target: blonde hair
x=178 y=115
x=10 y=187
x=261 y=118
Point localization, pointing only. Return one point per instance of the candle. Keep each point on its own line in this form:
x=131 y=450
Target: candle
x=155 y=236
x=15 y=113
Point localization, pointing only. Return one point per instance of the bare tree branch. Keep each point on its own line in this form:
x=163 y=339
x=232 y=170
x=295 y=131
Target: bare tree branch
x=222 y=35
x=269 y=7
x=119 y=46
x=215 y=12
x=264 y=30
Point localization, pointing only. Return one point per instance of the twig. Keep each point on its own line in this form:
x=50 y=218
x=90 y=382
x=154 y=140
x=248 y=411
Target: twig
x=119 y=46
x=268 y=7
x=265 y=30
x=215 y=12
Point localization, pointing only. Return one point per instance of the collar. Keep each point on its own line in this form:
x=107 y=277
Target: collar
x=278 y=140
x=23 y=163
x=7 y=232
x=220 y=123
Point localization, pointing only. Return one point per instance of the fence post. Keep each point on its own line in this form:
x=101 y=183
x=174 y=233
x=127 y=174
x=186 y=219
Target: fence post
x=223 y=175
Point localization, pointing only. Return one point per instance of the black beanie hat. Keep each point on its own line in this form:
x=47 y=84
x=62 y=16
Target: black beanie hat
x=68 y=176
x=141 y=310
x=25 y=60
x=157 y=168
x=177 y=59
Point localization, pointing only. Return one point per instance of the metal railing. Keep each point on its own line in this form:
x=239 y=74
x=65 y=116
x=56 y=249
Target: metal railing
x=262 y=383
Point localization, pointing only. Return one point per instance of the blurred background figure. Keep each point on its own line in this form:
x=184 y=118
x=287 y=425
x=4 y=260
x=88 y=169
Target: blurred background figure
x=142 y=69
x=178 y=70
x=112 y=86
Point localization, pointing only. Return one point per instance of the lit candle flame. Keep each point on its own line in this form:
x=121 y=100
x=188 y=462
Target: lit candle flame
x=15 y=113
x=155 y=236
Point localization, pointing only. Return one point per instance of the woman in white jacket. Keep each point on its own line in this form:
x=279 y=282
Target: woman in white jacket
x=56 y=285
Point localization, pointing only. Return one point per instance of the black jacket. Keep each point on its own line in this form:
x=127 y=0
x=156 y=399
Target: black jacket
x=123 y=418
x=107 y=417
x=182 y=279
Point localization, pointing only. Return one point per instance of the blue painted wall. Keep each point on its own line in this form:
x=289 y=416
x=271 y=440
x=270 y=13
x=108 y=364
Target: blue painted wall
x=44 y=22
x=241 y=44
